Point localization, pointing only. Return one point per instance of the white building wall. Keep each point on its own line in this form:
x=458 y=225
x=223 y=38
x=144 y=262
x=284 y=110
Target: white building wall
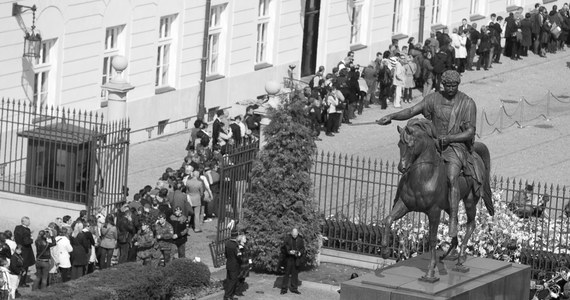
x=79 y=27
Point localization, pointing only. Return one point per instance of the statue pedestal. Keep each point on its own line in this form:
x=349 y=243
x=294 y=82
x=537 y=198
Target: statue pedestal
x=486 y=279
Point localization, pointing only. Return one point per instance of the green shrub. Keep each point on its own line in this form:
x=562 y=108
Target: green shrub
x=280 y=196
x=129 y=281
x=187 y=276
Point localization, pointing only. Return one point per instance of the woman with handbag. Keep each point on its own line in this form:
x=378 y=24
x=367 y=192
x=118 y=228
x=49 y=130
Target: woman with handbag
x=108 y=242
x=44 y=243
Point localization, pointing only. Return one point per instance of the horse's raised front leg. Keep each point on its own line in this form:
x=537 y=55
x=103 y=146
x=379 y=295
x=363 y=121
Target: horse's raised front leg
x=433 y=225
x=399 y=210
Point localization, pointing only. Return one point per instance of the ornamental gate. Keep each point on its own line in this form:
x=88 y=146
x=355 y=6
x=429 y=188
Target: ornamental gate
x=235 y=181
x=61 y=154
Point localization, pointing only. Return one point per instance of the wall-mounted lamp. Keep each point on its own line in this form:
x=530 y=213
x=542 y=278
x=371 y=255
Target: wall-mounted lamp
x=32 y=39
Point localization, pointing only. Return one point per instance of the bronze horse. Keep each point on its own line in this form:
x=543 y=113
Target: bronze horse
x=423 y=187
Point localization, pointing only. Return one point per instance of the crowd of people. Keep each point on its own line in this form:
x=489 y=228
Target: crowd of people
x=337 y=97
x=151 y=227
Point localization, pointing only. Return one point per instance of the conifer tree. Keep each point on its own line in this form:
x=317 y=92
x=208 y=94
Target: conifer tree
x=281 y=195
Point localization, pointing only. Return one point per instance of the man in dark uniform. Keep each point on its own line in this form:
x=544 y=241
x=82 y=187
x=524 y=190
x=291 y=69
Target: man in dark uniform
x=294 y=247
x=233 y=265
x=453 y=114
x=23 y=237
x=217 y=127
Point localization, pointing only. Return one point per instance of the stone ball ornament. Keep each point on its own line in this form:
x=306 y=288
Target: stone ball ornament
x=119 y=63
x=272 y=87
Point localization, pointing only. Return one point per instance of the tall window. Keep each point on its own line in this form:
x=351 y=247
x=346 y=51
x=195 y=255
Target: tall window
x=164 y=56
x=114 y=45
x=216 y=30
x=397 y=18
x=263 y=22
x=356 y=22
x=42 y=68
x=436 y=12
x=477 y=7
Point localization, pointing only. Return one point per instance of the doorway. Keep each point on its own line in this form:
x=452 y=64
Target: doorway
x=310 y=37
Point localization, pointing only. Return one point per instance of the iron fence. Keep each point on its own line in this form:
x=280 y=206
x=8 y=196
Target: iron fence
x=62 y=154
x=353 y=196
x=235 y=181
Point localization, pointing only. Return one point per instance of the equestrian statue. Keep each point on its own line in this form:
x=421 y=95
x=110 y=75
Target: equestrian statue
x=441 y=164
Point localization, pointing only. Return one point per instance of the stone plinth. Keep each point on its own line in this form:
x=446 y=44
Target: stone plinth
x=486 y=279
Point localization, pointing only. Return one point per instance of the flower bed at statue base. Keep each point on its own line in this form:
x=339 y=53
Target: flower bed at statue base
x=540 y=243
x=178 y=279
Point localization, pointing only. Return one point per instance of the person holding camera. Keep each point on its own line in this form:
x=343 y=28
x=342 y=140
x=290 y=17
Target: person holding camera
x=294 y=248
x=44 y=243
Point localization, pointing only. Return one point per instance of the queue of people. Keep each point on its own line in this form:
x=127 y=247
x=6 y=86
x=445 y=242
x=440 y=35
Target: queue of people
x=337 y=97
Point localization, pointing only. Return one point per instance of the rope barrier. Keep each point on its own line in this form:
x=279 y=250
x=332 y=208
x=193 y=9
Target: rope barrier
x=518 y=115
x=557 y=99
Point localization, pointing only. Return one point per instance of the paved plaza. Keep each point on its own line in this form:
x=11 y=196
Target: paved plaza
x=535 y=152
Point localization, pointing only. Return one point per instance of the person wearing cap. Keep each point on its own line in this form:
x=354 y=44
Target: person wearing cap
x=145 y=243
x=164 y=235
x=179 y=224
x=233 y=264
x=454 y=116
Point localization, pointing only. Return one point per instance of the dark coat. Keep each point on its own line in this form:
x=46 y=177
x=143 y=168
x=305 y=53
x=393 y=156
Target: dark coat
x=216 y=129
x=297 y=244
x=537 y=20
x=5 y=251
x=16 y=264
x=236 y=133
x=23 y=236
x=126 y=230
x=526 y=28
x=81 y=247
x=233 y=262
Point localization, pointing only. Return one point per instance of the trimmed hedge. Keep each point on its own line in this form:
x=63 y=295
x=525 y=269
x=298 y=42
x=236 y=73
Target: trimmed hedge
x=187 y=277
x=131 y=281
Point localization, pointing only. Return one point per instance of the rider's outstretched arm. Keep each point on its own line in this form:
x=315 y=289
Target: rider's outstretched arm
x=408 y=113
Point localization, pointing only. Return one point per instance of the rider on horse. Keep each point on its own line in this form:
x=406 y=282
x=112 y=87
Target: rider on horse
x=453 y=115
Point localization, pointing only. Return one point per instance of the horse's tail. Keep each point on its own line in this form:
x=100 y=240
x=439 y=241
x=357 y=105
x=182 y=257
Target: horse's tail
x=482 y=150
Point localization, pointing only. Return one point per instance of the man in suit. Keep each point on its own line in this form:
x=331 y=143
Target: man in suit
x=233 y=264
x=463 y=25
x=294 y=249
x=23 y=237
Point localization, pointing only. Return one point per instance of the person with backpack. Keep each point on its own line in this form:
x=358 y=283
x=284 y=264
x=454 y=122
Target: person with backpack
x=441 y=63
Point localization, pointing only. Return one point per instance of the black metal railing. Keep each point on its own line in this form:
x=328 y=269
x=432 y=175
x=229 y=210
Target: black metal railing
x=353 y=196
x=61 y=154
x=235 y=181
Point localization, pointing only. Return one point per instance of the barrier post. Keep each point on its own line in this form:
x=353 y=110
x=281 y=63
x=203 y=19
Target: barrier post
x=501 y=111
x=521 y=103
x=548 y=104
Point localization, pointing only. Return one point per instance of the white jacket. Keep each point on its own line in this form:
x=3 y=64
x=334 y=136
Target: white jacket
x=63 y=245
